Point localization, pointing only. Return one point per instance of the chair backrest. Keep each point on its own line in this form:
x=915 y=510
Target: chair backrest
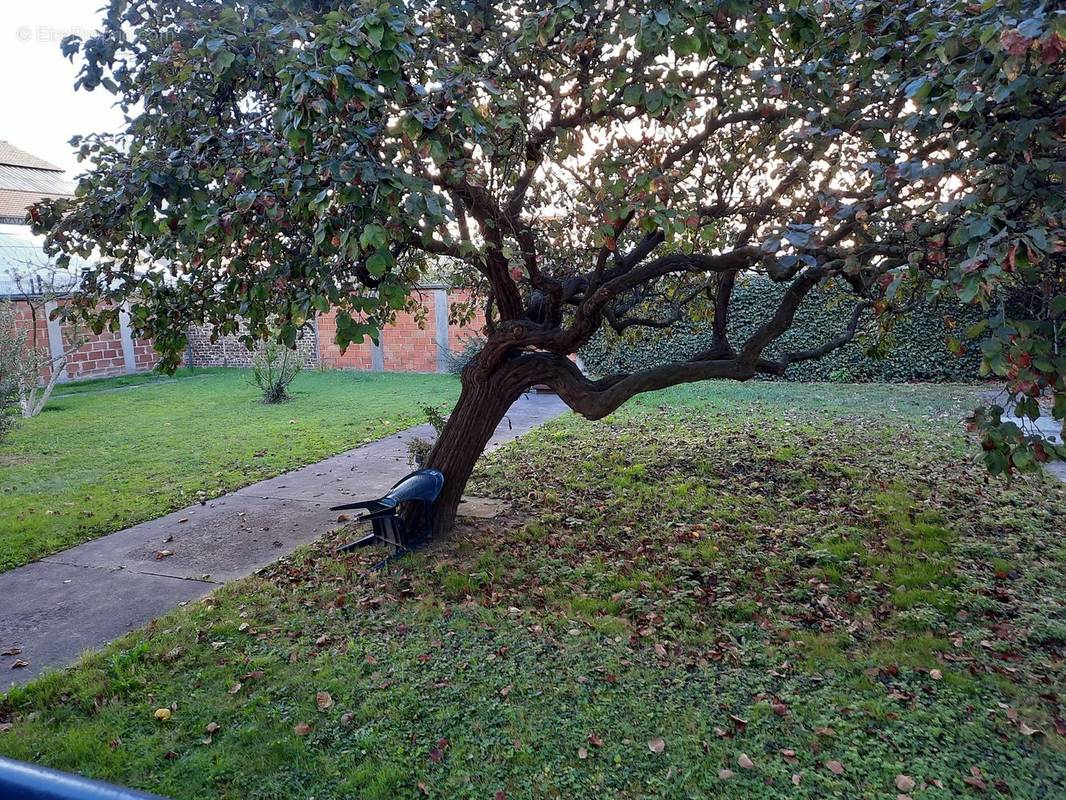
x=423 y=485
x=33 y=782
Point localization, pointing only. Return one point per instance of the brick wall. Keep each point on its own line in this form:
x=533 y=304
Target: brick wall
x=357 y=356
x=229 y=351
x=99 y=356
x=406 y=345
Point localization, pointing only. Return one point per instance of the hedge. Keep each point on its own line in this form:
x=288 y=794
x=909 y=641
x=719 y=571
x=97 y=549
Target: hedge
x=916 y=347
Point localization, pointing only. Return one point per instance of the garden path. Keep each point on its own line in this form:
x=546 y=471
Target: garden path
x=81 y=598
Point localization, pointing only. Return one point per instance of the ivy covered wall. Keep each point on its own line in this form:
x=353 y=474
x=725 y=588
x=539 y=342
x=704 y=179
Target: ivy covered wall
x=915 y=350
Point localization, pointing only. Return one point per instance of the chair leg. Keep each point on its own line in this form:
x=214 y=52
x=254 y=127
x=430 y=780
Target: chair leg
x=366 y=541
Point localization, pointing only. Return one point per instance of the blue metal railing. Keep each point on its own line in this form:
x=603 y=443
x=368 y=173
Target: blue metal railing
x=22 y=781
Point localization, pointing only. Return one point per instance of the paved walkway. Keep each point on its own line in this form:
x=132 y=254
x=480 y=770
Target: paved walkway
x=56 y=608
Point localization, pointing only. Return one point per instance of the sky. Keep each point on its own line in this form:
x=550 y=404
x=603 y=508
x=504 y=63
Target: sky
x=39 y=109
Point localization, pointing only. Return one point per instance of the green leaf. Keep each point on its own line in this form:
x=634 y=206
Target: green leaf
x=378 y=264
x=373 y=236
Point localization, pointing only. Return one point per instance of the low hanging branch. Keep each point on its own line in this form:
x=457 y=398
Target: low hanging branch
x=579 y=166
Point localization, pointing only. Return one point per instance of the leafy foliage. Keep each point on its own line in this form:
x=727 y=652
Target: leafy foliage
x=914 y=348
x=590 y=165
x=687 y=602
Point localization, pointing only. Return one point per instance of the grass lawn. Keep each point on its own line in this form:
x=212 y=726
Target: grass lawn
x=765 y=591
x=107 y=454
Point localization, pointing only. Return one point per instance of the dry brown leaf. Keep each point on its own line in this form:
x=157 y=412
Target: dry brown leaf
x=725 y=774
x=301 y=729
x=744 y=761
x=835 y=767
x=904 y=783
x=657 y=745
x=323 y=700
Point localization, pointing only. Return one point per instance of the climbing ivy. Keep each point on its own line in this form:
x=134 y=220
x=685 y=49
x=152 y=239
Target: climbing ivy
x=915 y=348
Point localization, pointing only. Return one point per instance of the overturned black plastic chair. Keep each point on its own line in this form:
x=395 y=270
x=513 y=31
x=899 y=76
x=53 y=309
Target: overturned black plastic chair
x=389 y=528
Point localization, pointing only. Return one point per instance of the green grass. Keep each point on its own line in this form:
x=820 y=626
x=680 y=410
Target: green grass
x=107 y=454
x=798 y=574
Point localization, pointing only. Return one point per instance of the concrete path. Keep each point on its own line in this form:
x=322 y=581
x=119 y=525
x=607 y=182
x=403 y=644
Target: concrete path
x=84 y=597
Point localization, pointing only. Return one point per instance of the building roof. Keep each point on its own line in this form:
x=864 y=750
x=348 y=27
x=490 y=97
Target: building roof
x=25 y=179
x=13 y=157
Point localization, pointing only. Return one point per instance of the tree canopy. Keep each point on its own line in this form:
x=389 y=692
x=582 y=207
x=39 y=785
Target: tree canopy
x=588 y=164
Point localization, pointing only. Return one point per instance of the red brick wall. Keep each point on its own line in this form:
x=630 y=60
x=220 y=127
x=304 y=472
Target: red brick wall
x=144 y=355
x=357 y=356
x=99 y=357
x=406 y=345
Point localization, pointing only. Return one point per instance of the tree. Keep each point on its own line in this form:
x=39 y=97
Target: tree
x=12 y=346
x=39 y=285
x=590 y=163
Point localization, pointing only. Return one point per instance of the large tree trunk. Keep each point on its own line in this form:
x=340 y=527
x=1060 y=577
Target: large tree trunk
x=482 y=404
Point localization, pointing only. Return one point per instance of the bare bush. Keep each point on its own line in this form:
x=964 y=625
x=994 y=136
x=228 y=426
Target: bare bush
x=274 y=368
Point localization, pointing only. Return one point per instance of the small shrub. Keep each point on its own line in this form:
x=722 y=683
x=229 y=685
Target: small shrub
x=458 y=359
x=12 y=346
x=274 y=367
x=418 y=451
x=418 y=448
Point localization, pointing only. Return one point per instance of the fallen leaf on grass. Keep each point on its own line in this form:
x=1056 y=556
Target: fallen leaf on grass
x=657 y=745
x=975 y=779
x=725 y=774
x=582 y=753
x=323 y=700
x=835 y=767
x=904 y=783
x=301 y=729
x=744 y=761
x=162 y=714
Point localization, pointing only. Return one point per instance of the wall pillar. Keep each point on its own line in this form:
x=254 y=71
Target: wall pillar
x=377 y=353
x=440 y=316
x=129 y=356
x=56 y=345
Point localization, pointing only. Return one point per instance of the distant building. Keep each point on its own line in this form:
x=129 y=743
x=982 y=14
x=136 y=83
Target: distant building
x=25 y=179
